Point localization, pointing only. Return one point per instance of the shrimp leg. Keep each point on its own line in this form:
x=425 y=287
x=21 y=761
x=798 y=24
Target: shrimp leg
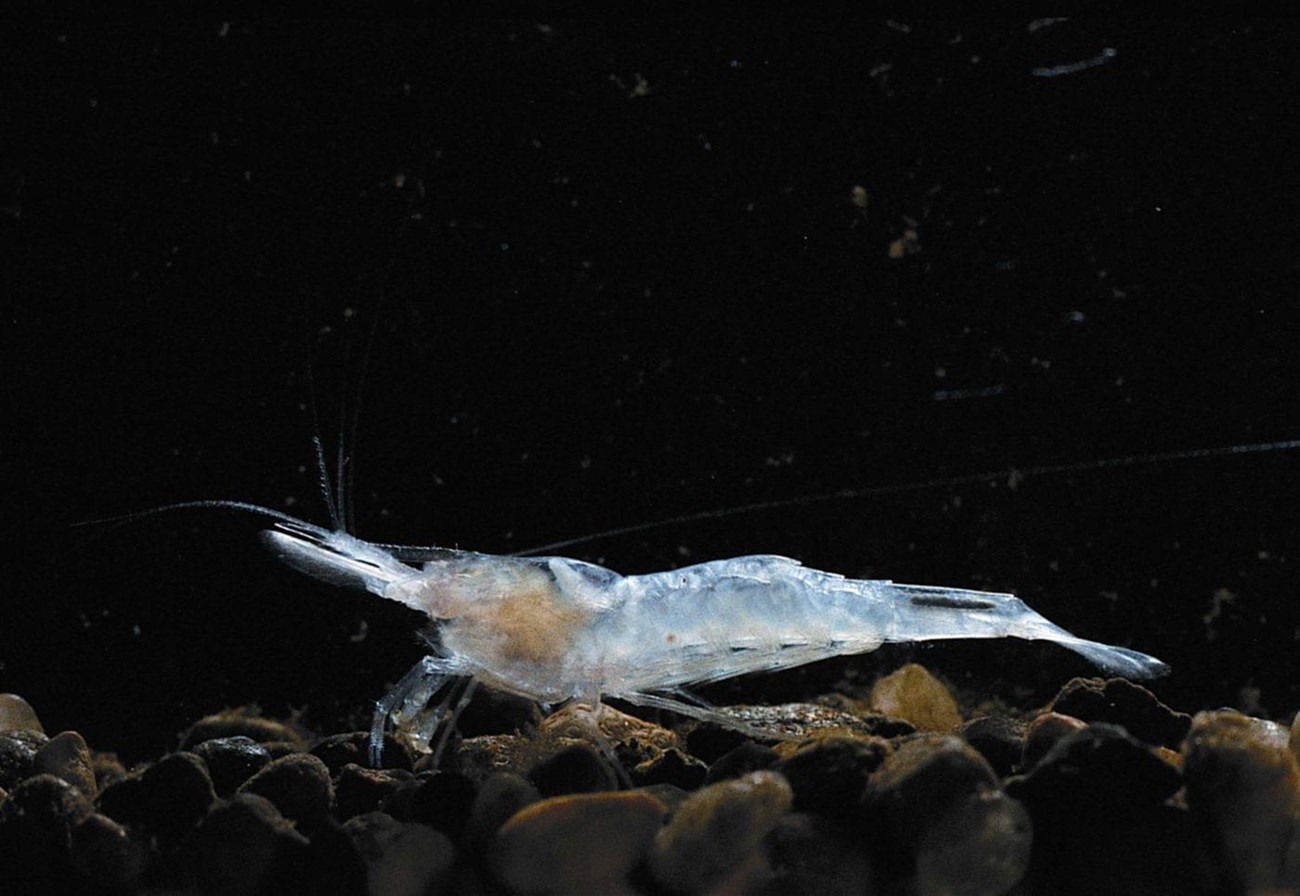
x=408 y=699
x=703 y=713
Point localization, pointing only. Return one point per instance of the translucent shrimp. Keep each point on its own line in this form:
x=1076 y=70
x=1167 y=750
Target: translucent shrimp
x=554 y=629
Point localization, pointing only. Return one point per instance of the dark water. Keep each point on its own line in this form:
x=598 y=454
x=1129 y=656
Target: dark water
x=616 y=275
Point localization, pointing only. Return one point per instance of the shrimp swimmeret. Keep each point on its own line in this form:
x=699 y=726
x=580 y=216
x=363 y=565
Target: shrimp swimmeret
x=554 y=629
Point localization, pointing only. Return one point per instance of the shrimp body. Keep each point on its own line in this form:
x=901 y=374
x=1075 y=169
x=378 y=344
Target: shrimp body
x=554 y=629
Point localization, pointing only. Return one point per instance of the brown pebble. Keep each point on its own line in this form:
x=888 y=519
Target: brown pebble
x=499 y=712
x=1097 y=771
x=332 y=864
x=231 y=761
x=104 y=851
x=672 y=766
x=479 y=757
x=978 y=845
x=1042 y=734
x=748 y=757
x=17 y=757
x=579 y=723
x=108 y=769
x=358 y=790
x=1293 y=740
x=999 y=739
x=440 y=800
x=576 y=769
x=241 y=845
x=946 y=825
x=581 y=843
x=918 y=781
x=66 y=756
x=298 y=784
x=829 y=774
x=714 y=835
x=1121 y=702
x=16 y=714
x=402 y=857
x=167 y=798
x=1243 y=785
x=36 y=824
x=670 y=795
x=914 y=695
x=47 y=797
x=814 y=854
x=235 y=722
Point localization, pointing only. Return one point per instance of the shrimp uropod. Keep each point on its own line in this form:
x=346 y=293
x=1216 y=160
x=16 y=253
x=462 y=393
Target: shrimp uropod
x=554 y=629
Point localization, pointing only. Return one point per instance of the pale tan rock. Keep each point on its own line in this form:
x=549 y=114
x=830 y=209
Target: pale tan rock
x=914 y=695
x=66 y=756
x=579 y=843
x=16 y=714
x=713 y=838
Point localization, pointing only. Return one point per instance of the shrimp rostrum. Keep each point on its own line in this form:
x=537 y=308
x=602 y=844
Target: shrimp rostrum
x=554 y=629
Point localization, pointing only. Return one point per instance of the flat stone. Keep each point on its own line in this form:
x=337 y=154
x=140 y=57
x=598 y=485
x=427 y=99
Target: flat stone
x=713 y=838
x=580 y=843
x=771 y=725
x=913 y=694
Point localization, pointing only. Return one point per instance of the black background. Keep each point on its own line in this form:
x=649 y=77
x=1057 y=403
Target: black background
x=611 y=274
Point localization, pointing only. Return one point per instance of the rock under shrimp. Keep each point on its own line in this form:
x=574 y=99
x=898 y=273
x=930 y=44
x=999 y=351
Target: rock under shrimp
x=554 y=629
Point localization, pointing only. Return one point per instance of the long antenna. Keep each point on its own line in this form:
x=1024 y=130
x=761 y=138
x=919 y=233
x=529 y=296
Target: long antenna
x=848 y=494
